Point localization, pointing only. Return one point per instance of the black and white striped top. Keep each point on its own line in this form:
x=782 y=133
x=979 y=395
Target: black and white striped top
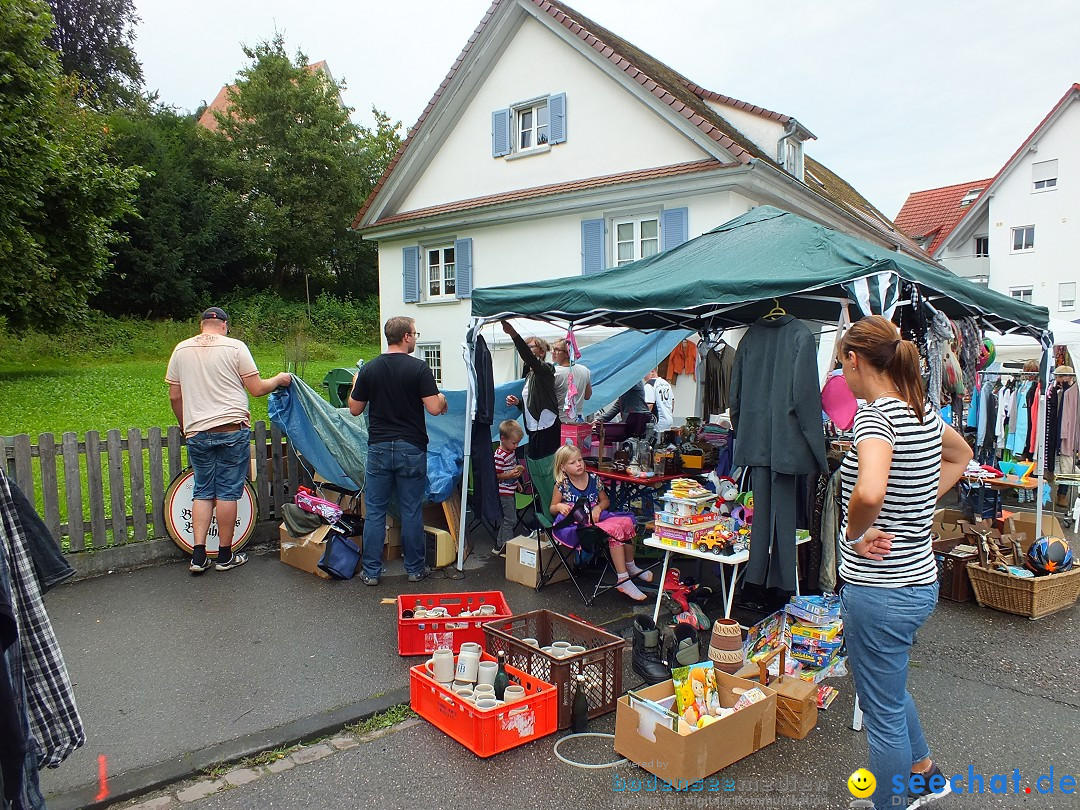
x=910 y=497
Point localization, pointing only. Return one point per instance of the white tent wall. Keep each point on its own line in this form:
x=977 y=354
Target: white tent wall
x=1016 y=347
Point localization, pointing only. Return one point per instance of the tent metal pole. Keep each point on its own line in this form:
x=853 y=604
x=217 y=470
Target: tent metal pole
x=470 y=403
x=1040 y=441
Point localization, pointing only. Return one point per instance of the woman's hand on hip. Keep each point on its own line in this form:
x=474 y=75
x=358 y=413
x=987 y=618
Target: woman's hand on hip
x=874 y=544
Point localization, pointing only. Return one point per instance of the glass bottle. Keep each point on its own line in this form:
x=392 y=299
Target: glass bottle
x=579 y=712
x=502 y=680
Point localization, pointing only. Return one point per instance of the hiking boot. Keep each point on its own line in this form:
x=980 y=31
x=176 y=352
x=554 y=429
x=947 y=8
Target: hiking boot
x=235 y=561
x=421 y=574
x=685 y=648
x=197 y=569
x=645 y=659
x=921 y=798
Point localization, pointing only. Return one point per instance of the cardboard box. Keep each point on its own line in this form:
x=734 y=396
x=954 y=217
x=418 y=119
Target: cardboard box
x=304 y=552
x=681 y=760
x=947 y=523
x=526 y=557
x=1024 y=522
x=393 y=536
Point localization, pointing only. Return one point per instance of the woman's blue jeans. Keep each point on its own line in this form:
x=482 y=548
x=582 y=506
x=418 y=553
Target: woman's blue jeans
x=391 y=466
x=879 y=629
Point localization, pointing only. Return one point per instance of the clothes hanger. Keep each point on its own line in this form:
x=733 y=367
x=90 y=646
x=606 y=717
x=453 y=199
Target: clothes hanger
x=776 y=312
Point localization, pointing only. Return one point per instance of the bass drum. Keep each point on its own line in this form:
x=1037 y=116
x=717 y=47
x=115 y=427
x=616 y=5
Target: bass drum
x=179 y=498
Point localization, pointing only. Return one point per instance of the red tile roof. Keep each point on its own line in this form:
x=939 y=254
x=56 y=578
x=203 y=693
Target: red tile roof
x=555 y=188
x=221 y=102
x=679 y=93
x=935 y=212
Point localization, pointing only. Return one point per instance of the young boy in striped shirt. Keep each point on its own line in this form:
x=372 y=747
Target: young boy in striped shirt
x=508 y=472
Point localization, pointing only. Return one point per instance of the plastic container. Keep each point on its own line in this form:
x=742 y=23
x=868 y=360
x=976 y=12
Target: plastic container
x=601 y=663
x=424 y=636
x=486 y=732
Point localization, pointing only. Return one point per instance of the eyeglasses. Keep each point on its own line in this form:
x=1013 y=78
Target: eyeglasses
x=414 y=334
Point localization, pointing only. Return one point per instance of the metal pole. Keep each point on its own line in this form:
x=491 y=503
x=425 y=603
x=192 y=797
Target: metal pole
x=1040 y=439
x=470 y=403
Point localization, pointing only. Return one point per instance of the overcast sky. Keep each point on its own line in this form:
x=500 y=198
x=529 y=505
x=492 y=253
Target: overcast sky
x=902 y=96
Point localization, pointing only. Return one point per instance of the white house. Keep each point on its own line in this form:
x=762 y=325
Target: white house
x=1019 y=230
x=554 y=147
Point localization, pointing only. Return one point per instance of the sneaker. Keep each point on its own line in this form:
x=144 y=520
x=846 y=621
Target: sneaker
x=235 y=561
x=368 y=580
x=419 y=575
x=926 y=796
x=499 y=550
x=198 y=569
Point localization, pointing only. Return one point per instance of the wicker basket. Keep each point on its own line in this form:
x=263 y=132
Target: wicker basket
x=1035 y=597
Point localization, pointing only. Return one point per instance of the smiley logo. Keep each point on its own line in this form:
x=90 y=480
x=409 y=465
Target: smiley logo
x=861 y=783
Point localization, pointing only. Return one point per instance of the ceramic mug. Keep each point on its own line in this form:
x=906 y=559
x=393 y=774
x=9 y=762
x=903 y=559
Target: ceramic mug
x=486 y=610
x=472 y=647
x=441 y=665
x=514 y=692
x=561 y=645
x=575 y=650
x=532 y=642
x=420 y=613
x=456 y=685
x=486 y=672
x=466 y=665
x=487 y=703
x=548 y=650
x=465 y=693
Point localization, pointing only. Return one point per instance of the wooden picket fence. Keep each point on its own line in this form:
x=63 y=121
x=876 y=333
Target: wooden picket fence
x=96 y=493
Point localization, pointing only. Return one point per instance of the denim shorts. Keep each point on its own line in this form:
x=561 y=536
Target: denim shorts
x=220 y=461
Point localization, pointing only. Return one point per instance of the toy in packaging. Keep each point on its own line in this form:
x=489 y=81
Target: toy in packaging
x=764 y=637
x=696 y=695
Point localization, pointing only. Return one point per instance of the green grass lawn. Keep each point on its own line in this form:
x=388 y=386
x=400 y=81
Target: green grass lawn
x=56 y=397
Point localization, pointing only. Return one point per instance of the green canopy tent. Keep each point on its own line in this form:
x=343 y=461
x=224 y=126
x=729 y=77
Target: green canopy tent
x=729 y=276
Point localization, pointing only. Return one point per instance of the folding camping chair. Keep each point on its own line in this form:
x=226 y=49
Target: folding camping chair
x=542 y=473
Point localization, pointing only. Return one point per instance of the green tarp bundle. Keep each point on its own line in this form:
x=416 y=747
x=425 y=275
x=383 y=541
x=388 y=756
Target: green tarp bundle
x=729 y=276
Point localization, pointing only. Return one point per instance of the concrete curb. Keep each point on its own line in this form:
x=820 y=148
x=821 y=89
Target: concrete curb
x=154 y=777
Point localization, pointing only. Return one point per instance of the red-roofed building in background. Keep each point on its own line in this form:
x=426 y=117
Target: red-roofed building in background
x=222 y=101
x=1019 y=234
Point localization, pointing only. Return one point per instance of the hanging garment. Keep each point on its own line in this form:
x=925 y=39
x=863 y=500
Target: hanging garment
x=718 y=365
x=1005 y=405
x=772 y=534
x=1070 y=422
x=52 y=717
x=1019 y=421
x=13 y=729
x=50 y=565
x=1037 y=405
x=682 y=360
x=830 y=535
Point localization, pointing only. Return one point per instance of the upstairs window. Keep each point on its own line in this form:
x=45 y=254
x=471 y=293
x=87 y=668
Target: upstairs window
x=970 y=197
x=1067 y=295
x=531 y=126
x=1044 y=175
x=636 y=238
x=982 y=246
x=441 y=273
x=1021 y=294
x=1023 y=239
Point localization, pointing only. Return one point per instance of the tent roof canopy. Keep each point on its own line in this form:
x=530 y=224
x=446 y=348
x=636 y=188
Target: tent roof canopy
x=729 y=276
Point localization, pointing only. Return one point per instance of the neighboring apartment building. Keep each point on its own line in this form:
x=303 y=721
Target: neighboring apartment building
x=1017 y=231
x=555 y=147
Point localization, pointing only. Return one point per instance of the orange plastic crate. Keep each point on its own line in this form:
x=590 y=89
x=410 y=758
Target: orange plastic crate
x=424 y=636
x=490 y=731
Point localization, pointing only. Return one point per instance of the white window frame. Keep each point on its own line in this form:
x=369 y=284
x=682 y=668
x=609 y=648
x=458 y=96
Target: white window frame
x=970 y=197
x=637 y=241
x=1027 y=247
x=1066 y=304
x=431 y=353
x=986 y=247
x=426 y=270
x=1023 y=294
x=1046 y=184
x=536 y=130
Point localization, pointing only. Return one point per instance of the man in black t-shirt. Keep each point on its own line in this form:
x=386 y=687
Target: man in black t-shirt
x=396 y=388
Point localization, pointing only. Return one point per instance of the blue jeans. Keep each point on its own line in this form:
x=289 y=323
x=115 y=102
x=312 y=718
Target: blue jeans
x=220 y=461
x=391 y=466
x=879 y=628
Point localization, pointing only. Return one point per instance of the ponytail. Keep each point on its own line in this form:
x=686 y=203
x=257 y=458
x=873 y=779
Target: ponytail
x=904 y=368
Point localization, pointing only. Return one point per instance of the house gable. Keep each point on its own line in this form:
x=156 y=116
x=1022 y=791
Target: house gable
x=930 y=216
x=608 y=130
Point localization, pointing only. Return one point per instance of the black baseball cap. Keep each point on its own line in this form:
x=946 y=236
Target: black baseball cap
x=216 y=314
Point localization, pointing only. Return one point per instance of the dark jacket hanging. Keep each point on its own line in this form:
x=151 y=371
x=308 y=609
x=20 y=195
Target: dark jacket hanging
x=485 y=495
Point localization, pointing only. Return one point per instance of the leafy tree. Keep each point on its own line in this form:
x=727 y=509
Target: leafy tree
x=58 y=192
x=186 y=241
x=95 y=40
x=287 y=143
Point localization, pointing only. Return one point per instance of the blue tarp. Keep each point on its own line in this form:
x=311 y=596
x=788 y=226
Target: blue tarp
x=335 y=443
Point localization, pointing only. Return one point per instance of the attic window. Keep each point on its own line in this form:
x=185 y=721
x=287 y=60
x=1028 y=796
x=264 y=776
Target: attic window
x=970 y=197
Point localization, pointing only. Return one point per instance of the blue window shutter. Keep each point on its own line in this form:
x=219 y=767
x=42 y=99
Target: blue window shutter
x=410 y=274
x=463 y=266
x=500 y=133
x=557 y=118
x=592 y=246
x=673 y=227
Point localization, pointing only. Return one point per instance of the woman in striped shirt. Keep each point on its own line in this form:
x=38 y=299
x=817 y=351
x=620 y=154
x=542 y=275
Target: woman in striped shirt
x=903 y=459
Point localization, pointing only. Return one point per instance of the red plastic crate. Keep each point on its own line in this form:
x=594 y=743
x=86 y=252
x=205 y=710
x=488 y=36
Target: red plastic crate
x=424 y=636
x=489 y=731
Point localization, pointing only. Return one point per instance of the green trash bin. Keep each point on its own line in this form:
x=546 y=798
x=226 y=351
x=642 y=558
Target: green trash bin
x=338 y=383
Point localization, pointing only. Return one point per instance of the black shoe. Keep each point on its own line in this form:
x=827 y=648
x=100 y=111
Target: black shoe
x=368 y=580
x=197 y=569
x=921 y=798
x=685 y=646
x=419 y=575
x=235 y=561
x=645 y=658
